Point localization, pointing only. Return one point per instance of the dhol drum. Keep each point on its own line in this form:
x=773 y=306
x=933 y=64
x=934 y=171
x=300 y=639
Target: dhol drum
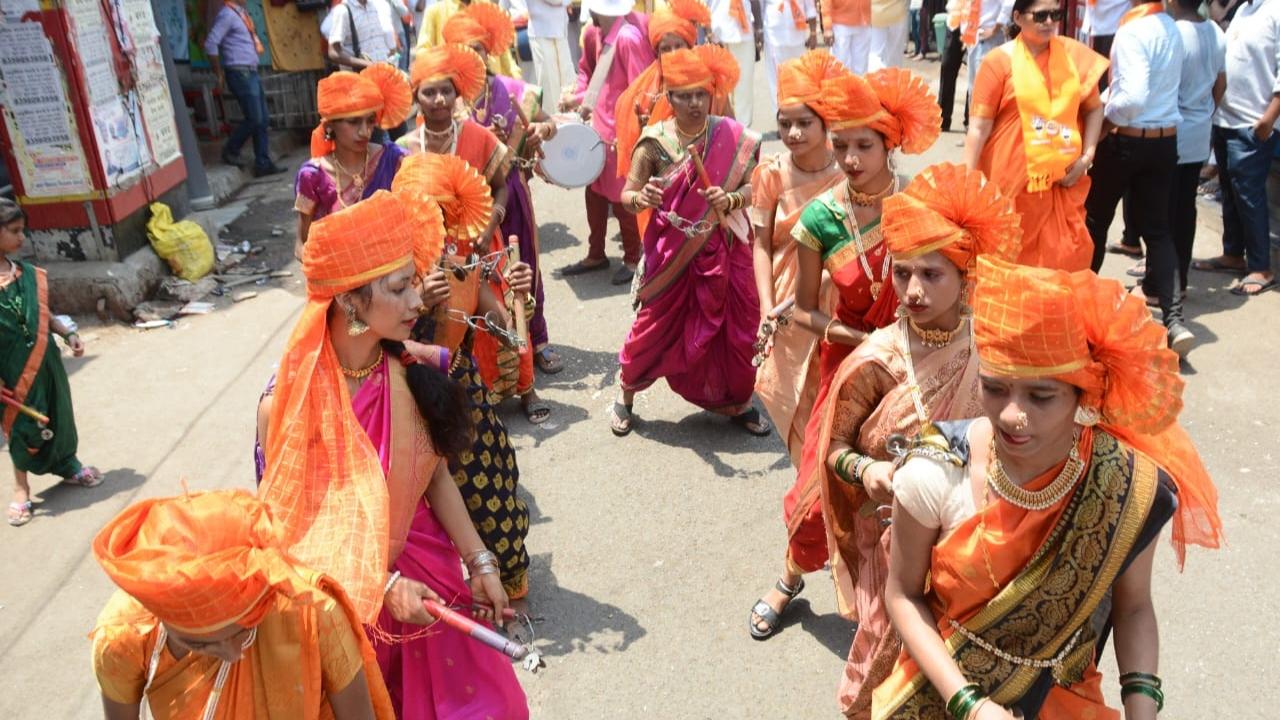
x=575 y=157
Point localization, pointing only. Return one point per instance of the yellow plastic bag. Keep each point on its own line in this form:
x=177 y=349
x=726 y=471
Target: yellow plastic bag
x=184 y=244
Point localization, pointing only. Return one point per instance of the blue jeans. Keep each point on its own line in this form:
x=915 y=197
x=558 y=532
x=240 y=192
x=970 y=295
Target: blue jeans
x=978 y=52
x=247 y=88
x=1246 y=223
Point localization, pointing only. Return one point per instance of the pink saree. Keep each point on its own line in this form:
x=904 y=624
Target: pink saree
x=443 y=675
x=698 y=302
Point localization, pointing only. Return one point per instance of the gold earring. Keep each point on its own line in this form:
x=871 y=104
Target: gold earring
x=901 y=312
x=355 y=326
x=1088 y=416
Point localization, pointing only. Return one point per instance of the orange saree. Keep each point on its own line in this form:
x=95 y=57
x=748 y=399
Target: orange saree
x=873 y=399
x=1054 y=233
x=993 y=577
x=787 y=382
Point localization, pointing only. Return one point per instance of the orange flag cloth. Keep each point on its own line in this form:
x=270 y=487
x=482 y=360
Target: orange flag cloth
x=323 y=479
x=1088 y=332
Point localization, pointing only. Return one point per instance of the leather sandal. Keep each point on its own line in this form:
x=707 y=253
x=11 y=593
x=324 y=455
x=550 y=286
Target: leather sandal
x=766 y=614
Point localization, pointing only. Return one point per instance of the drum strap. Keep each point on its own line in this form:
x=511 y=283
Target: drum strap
x=598 y=76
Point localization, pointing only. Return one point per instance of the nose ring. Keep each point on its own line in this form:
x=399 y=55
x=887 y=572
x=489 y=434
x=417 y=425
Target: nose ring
x=1020 y=423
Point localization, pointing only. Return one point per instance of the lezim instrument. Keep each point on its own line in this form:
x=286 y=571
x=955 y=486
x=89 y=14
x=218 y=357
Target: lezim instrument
x=575 y=157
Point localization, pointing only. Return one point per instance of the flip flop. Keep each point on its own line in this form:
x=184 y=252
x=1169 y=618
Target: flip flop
x=752 y=417
x=582 y=268
x=548 y=361
x=620 y=419
x=770 y=617
x=1138 y=270
x=1122 y=249
x=537 y=411
x=87 y=477
x=19 y=513
x=1215 y=265
x=1260 y=285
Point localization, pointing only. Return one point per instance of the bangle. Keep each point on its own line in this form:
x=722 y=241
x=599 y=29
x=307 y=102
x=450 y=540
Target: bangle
x=842 y=466
x=1143 y=678
x=826 y=332
x=860 y=468
x=964 y=701
x=1150 y=691
x=391 y=581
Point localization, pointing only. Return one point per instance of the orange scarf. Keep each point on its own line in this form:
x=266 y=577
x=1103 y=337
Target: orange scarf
x=1141 y=11
x=973 y=16
x=1050 y=116
x=248 y=23
x=738 y=9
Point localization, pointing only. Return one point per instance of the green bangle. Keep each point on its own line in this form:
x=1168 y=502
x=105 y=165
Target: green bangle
x=1138 y=687
x=842 y=466
x=1138 y=677
x=964 y=700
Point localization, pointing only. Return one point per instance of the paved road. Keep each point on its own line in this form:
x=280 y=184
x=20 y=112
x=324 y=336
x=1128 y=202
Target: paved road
x=648 y=551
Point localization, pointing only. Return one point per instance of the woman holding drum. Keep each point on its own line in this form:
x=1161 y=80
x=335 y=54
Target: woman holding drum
x=697 y=301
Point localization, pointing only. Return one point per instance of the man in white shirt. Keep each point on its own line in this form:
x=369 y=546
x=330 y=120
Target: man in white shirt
x=549 y=41
x=1244 y=141
x=790 y=28
x=360 y=33
x=733 y=25
x=1139 y=151
x=1101 y=20
x=888 y=34
x=987 y=34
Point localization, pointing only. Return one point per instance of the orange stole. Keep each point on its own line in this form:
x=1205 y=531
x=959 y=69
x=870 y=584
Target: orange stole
x=960 y=586
x=1054 y=233
x=281 y=675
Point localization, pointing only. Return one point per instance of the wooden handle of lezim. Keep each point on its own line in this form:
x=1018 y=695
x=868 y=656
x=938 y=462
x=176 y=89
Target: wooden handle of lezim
x=522 y=323
x=706 y=183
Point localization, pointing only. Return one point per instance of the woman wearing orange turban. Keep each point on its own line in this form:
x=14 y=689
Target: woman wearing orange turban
x=918 y=370
x=787 y=381
x=1035 y=525
x=697 y=304
x=839 y=232
x=643 y=103
x=214 y=619
x=355 y=437
x=345 y=167
x=512 y=110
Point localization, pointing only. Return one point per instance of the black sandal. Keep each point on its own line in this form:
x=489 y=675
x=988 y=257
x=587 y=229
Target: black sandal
x=752 y=418
x=766 y=614
x=620 y=422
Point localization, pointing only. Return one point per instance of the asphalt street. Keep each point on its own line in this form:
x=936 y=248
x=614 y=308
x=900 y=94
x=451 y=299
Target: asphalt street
x=648 y=551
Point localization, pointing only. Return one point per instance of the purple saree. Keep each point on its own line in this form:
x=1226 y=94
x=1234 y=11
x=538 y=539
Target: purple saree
x=499 y=114
x=316 y=194
x=698 y=304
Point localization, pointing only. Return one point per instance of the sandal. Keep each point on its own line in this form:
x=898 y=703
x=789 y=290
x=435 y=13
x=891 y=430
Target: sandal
x=1122 y=249
x=766 y=614
x=752 y=422
x=537 y=411
x=87 y=477
x=1216 y=265
x=1138 y=270
x=19 y=513
x=620 y=419
x=1259 y=287
x=548 y=361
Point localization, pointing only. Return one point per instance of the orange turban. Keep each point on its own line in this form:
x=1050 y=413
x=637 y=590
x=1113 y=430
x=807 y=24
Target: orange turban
x=380 y=89
x=1090 y=333
x=894 y=102
x=800 y=80
x=954 y=211
x=458 y=63
x=710 y=67
x=323 y=479
x=481 y=22
x=679 y=17
x=462 y=193
x=202 y=561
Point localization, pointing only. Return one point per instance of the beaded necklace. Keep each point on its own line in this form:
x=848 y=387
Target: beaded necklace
x=851 y=224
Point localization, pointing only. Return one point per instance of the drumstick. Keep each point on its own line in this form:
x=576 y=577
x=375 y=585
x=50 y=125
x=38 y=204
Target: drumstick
x=782 y=307
x=706 y=184
x=475 y=630
x=7 y=397
x=522 y=323
x=524 y=128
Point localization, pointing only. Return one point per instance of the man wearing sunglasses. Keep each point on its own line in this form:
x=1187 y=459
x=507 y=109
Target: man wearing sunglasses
x=1139 y=151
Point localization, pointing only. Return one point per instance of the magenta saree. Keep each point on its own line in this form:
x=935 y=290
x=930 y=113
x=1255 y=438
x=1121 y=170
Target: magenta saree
x=443 y=675
x=698 y=307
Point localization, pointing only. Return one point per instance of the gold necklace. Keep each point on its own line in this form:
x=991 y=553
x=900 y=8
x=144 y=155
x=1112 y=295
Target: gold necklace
x=867 y=200
x=692 y=136
x=917 y=393
x=935 y=338
x=364 y=372
x=357 y=179
x=851 y=224
x=831 y=160
x=1034 y=499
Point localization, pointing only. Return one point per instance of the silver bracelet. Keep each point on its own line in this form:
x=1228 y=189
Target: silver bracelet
x=482 y=557
x=391 y=581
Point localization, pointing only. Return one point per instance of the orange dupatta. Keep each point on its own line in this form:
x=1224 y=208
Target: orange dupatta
x=1050 y=115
